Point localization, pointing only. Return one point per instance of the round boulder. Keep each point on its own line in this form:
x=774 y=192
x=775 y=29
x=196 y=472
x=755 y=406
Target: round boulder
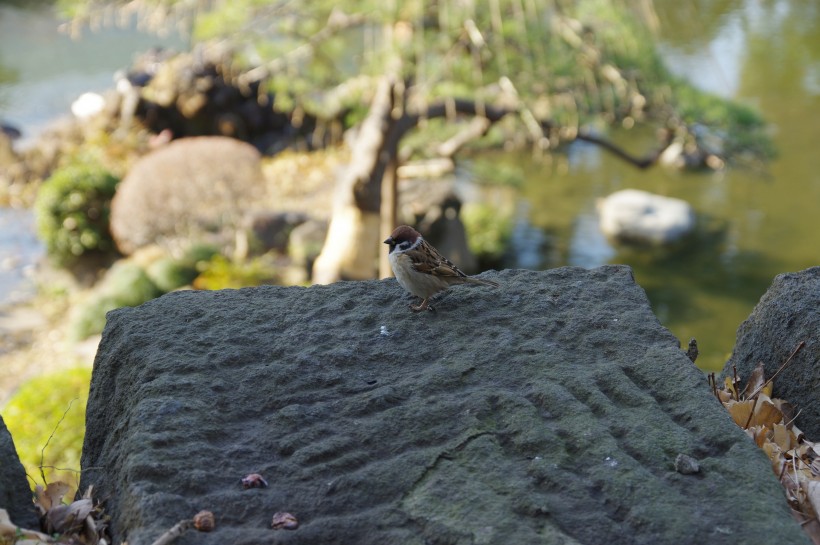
x=638 y=216
x=193 y=190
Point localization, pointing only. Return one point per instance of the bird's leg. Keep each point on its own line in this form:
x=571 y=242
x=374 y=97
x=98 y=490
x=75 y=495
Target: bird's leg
x=425 y=305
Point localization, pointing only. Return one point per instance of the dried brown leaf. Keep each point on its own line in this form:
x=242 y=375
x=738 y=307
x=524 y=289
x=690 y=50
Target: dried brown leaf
x=814 y=446
x=10 y=532
x=42 y=502
x=812 y=529
x=766 y=414
x=809 y=524
x=787 y=409
x=724 y=396
x=775 y=455
x=759 y=434
x=813 y=493
x=783 y=437
x=68 y=518
x=284 y=521
x=740 y=411
x=204 y=521
x=52 y=495
x=756 y=380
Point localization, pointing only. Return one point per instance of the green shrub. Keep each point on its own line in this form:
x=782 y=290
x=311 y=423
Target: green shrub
x=125 y=284
x=489 y=228
x=33 y=414
x=73 y=208
x=169 y=274
x=222 y=273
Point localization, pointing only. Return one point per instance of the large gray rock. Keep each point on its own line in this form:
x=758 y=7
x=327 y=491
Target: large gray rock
x=15 y=494
x=549 y=410
x=193 y=190
x=787 y=314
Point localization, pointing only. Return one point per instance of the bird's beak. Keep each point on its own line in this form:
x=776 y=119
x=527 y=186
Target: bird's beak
x=389 y=240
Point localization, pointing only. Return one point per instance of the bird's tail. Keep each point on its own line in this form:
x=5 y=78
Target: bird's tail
x=474 y=280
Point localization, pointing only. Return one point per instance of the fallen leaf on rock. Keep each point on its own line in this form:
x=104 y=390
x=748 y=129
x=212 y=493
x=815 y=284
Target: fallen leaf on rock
x=789 y=414
x=284 y=521
x=766 y=414
x=813 y=489
x=254 y=480
x=756 y=380
x=79 y=522
x=739 y=410
x=724 y=396
x=66 y=519
x=758 y=434
x=783 y=437
x=204 y=521
x=51 y=495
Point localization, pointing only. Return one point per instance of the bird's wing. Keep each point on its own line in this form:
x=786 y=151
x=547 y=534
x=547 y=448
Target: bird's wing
x=428 y=260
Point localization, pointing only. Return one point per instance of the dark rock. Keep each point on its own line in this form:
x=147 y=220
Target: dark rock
x=201 y=93
x=434 y=209
x=549 y=410
x=787 y=314
x=304 y=246
x=15 y=494
x=193 y=190
x=272 y=229
x=10 y=131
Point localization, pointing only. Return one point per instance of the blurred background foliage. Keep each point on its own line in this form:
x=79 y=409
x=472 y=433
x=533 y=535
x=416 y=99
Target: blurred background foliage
x=46 y=417
x=575 y=63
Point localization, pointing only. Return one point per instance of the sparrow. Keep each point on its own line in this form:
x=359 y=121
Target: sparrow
x=421 y=269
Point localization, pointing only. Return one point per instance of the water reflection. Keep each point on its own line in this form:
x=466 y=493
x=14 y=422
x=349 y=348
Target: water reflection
x=43 y=70
x=752 y=225
x=19 y=252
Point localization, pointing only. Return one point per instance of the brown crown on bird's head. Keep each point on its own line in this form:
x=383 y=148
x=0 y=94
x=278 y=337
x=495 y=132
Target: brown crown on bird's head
x=402 y=233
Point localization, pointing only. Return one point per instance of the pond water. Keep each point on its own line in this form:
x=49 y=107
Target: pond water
x=753 y=224
x=43 y=70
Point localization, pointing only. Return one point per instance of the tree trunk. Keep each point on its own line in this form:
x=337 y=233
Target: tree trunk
x=355 y=231
x=390 y=199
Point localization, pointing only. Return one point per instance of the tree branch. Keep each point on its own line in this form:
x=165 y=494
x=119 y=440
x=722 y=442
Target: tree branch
x=640 y=162
x=496 y=113
x=337 y=22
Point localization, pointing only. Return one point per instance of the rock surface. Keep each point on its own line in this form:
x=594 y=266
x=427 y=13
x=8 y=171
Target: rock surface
x=15 y=494
x=788 y=313
x=194 y=189
x=549 y=410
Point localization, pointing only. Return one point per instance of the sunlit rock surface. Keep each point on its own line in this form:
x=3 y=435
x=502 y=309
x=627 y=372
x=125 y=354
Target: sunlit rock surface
x=549 y=410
